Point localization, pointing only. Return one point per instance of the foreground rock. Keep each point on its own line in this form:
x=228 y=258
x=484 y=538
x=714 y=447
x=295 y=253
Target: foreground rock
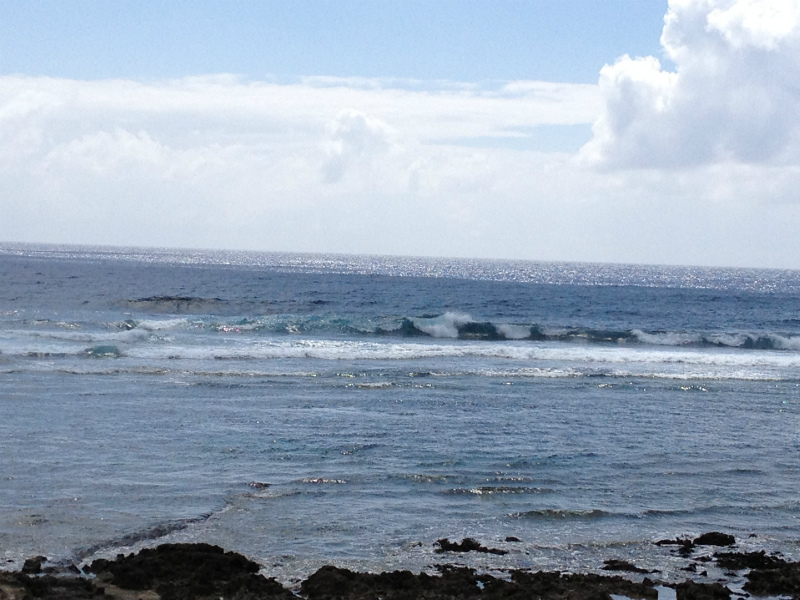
x=690 y=590
x=332 y=583
x=19 y=586
x=168 y=572
x=205 y=572
x=185 y=571
x=768 y=576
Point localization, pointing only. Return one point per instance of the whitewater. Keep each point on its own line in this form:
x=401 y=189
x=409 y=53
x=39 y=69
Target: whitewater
x=313 y=409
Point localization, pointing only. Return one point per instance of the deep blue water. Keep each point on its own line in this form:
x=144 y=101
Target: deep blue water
x=586 y=409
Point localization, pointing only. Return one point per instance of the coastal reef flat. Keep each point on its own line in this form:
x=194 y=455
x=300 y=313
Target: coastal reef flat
x=202 y=571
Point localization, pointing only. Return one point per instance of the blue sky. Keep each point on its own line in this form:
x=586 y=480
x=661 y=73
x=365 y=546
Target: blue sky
x=633 y=131
x=464 y=40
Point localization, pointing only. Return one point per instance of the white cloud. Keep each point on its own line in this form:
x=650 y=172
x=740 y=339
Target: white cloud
x=732 y=97
x=413 y=167
x=321 y=164
x=756 y=23
x=353 y=136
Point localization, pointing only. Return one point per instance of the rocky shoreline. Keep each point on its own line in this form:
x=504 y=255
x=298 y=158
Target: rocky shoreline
x=203 y=571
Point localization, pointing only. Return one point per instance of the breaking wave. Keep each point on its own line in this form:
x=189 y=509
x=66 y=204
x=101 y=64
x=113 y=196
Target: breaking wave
x=448 y=326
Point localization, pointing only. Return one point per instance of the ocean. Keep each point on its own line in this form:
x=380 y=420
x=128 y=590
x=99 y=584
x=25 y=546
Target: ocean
x=351 y=410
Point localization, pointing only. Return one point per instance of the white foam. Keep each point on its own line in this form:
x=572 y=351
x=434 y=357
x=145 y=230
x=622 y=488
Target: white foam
x=159 y=325
x=514 y=332
x=666 y=339
x=82 y=337
x=531 y=372
x=443 y=326
x=327 y=349
x=786 y=343
x=732 y=340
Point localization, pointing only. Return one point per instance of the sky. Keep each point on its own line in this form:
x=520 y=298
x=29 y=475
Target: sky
x=634 y=131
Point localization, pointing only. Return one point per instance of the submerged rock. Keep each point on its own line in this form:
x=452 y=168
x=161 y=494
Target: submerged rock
x=613 y=564
x=106 y=351
x=466 y=545
x=686 y=547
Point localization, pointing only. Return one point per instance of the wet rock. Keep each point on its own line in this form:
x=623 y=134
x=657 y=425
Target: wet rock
x=556 y=586
x=778 y=580
x=512 y=538
x=332 y=583
x=690 y=590
x=621 y=565
x=189 y=571
x=748 y=560
x=466 y=545
x=715 y=538
x=686 y=547
x=33 y=565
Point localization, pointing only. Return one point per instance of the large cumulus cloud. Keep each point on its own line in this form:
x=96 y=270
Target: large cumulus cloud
x=731 y=95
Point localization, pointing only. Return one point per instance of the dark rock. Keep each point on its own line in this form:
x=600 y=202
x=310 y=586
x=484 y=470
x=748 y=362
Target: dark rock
x=332 y=583
x=715 y=538
x=556 y=586
x=675 y=542
x=187 y=571
x=511 y=538
x=781 y=580
x=33 y=565
x=621 y=565
x=466 y=545
x=686 y=546
x=749 y=560
x=259 y=485
x=689 y=590
x=46 y=587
